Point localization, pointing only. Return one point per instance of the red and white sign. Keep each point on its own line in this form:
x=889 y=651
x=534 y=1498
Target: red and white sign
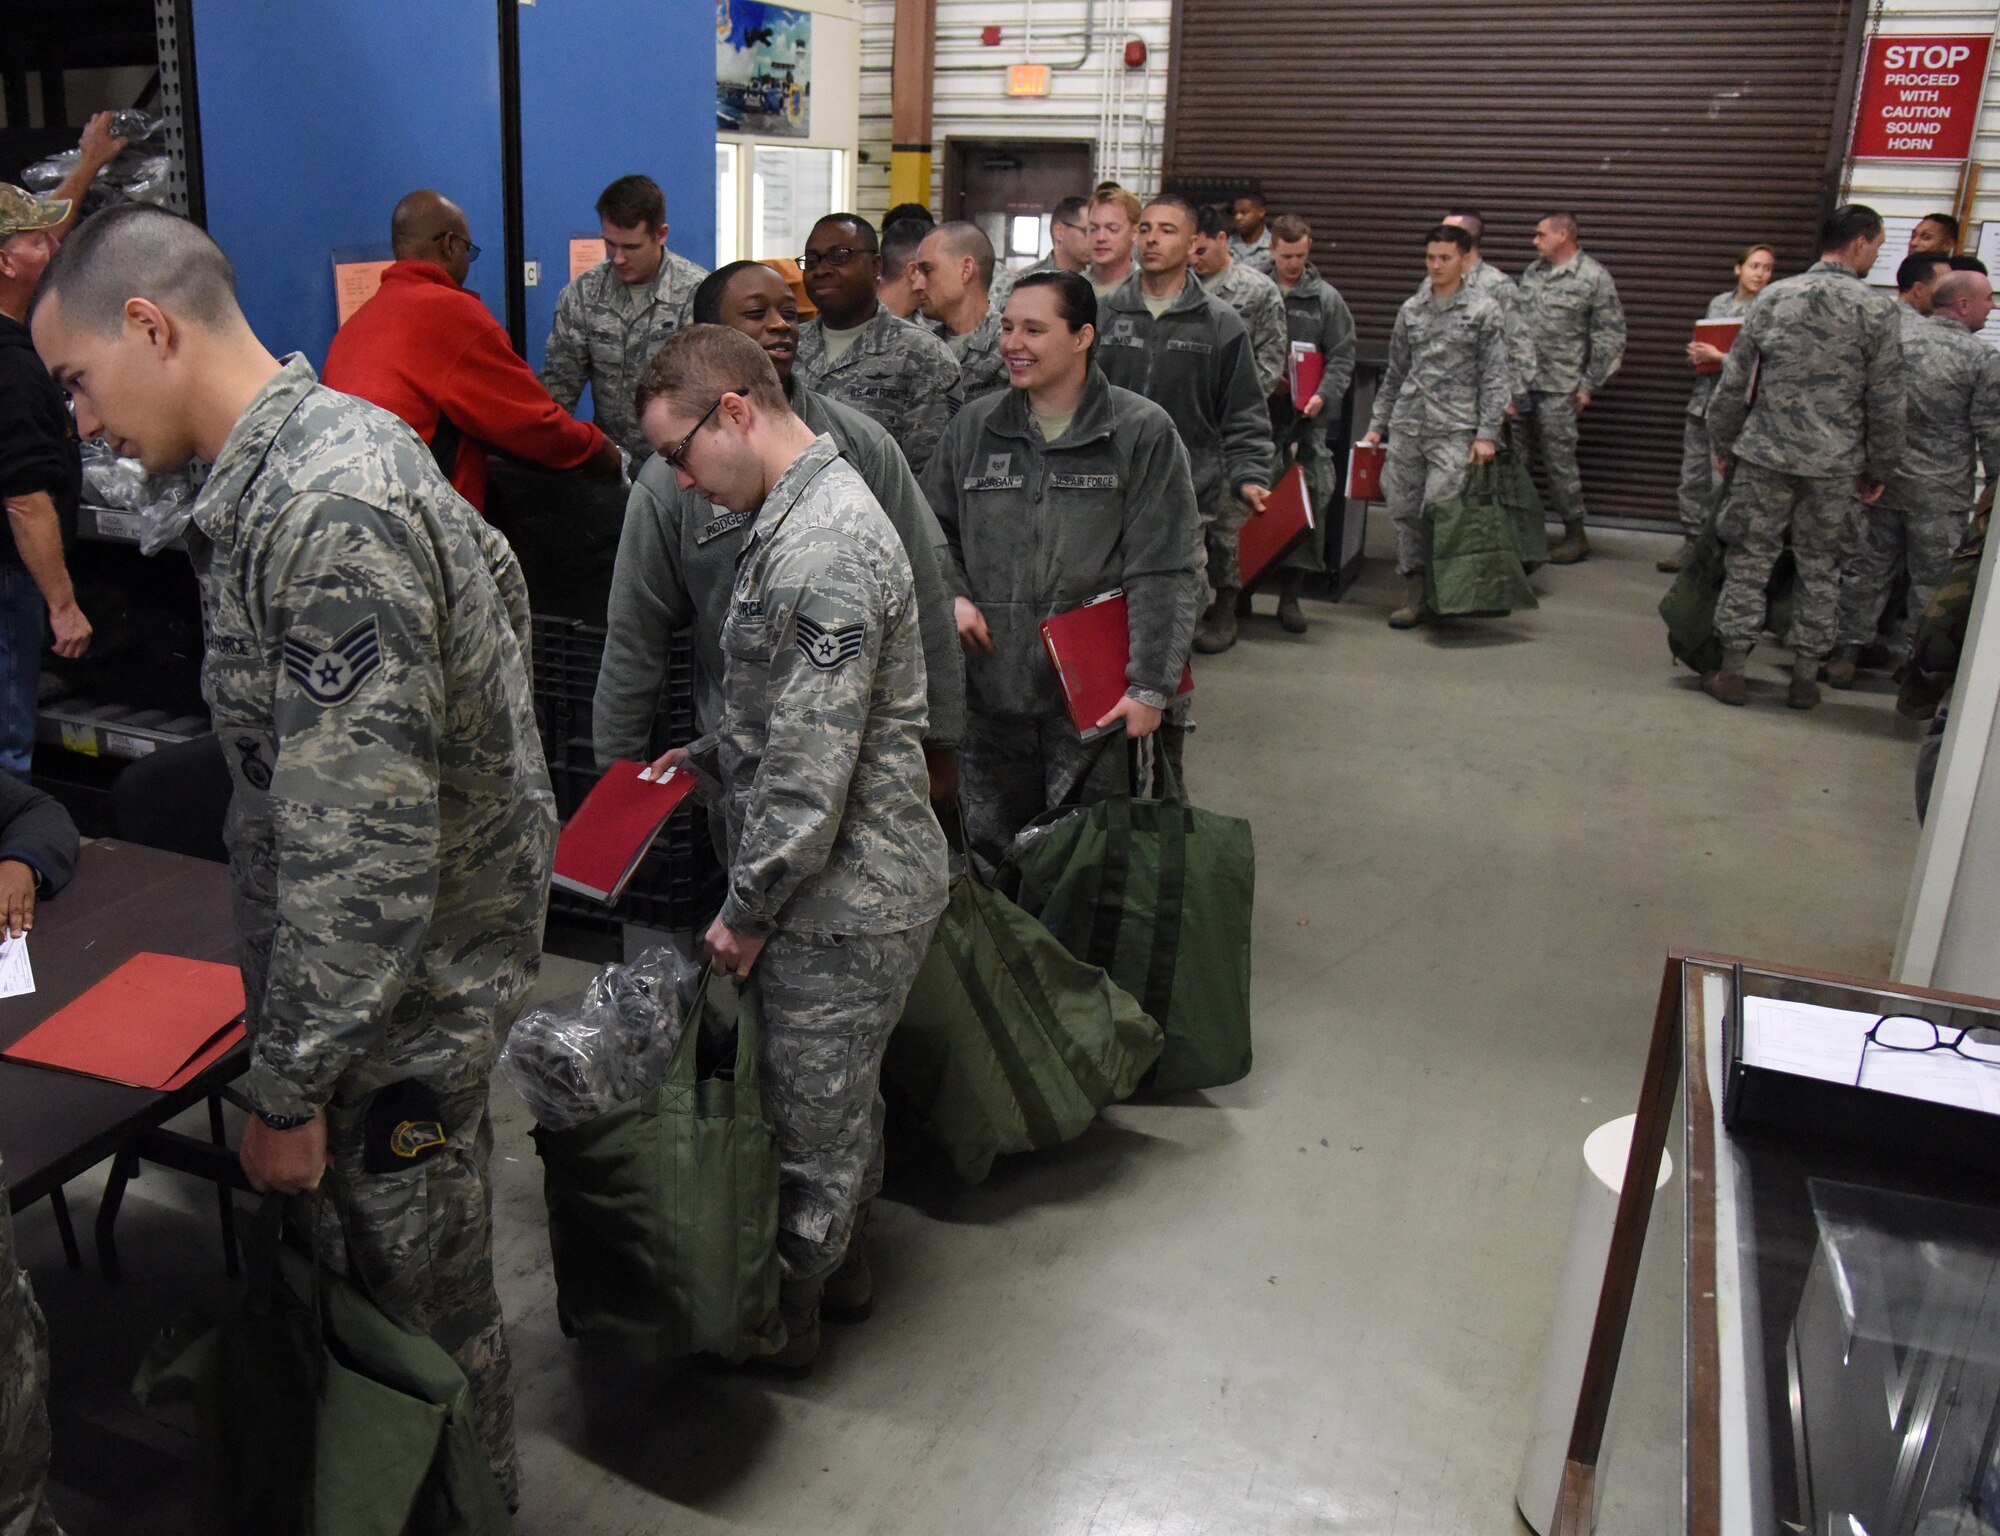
x=1920 y=97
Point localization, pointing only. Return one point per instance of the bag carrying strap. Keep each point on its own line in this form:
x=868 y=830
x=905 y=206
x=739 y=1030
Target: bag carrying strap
x=1170 y=903
x=1035 y=1112
x=685 y=1072
x=444 y=444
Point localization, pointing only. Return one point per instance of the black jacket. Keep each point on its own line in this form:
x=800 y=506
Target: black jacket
x=35 y=829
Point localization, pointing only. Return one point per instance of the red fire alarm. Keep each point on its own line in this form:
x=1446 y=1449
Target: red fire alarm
x=1135 y=54
x=989 y=37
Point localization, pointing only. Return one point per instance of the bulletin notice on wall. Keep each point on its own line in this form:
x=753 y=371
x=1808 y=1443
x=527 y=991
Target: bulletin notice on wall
x=1919 y=97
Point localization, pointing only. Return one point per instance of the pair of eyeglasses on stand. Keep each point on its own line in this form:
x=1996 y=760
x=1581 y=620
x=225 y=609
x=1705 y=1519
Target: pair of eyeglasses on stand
x=1909 y=1035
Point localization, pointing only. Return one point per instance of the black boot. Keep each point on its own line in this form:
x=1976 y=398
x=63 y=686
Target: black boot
x=1290 y=617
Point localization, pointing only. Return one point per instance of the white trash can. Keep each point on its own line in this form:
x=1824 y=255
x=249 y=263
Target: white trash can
x=1606 y=1151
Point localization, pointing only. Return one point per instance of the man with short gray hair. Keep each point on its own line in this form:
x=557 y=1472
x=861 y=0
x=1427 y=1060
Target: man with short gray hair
x=391 y=827
x=952 y=272
x=1953 y=384
x=1577 y=326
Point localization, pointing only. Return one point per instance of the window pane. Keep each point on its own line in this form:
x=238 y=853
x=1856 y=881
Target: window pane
x=791 y=190
x=726 y=222
x=1024 y=234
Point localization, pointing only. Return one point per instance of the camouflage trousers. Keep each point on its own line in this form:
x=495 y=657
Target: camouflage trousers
x=1889 y=538
x=1697 y=475
x=1763 y=505
x=1419 y=470
x=1304 y=442
x=24 y=1409
x=419 y=1241
x=828 y=1005
x=1013 y=768
x=1221 y=527
x=1551 y=425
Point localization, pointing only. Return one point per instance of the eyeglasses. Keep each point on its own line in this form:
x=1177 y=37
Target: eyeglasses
x=471 y=250
x=1081 y=229
x=1908 y=1033
x=839 y=256
x=676 y=456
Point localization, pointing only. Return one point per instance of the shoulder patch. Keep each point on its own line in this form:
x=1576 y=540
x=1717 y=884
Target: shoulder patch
x=827 y=648
x=331 y=675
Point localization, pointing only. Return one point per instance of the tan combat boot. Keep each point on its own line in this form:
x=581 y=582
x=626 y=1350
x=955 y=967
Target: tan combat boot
x=1673 y=564
x=1573 y=547
x=1413 y=612
x=1727 y=684
x=1842 y=665
x=1216 y=632
x=1804 y=692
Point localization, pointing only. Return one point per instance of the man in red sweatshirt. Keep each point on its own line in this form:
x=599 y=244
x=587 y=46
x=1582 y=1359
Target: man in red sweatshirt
x=426 y=348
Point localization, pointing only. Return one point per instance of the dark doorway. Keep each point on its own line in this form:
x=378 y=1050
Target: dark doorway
x=1007 y=186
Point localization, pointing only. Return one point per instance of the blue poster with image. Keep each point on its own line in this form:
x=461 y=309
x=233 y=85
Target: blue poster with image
x=763 y=70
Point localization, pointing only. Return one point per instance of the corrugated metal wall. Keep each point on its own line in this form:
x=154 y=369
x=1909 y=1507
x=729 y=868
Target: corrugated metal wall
x=1677 y=133
x=1092 y=95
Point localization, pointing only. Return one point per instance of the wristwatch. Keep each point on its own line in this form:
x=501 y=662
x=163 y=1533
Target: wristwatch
x=286 y=1122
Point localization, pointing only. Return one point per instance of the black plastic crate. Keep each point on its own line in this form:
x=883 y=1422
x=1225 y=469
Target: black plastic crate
x=679 y=885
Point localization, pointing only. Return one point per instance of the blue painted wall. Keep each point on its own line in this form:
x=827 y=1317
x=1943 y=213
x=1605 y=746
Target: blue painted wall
x=315 y=118
x=610 y=88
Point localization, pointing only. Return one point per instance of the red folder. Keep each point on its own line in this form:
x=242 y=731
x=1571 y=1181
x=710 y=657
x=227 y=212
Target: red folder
x=1364 y=471
x=1307 y=369
x=604 y=841
x=1090 y=648
x=158 y=1022
x=1720 y=334
x=1268 y=536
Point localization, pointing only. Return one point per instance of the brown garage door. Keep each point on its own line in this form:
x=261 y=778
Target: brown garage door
x=1677 y=133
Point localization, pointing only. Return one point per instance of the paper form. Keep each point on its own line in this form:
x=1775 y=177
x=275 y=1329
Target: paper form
x=17 y=977
x=1826 y=1043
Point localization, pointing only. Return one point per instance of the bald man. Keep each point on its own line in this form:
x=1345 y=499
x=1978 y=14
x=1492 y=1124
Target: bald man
x=953 y=274
x=426 y=349
x=1953 y=383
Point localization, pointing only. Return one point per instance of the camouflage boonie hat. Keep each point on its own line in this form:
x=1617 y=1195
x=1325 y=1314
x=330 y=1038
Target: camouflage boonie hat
x=22 y=211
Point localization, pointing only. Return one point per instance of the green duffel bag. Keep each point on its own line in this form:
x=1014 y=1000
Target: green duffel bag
x=1474 y=570
x=1009 y=1043
x=663 y=1214
x=1515 y=484
x=1158 y=894
x=321 y=1417
x=1689 y=606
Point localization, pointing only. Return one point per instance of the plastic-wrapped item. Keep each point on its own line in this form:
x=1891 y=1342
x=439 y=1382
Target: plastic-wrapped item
x=585 y=1056
x=161 y=503
x=47 y=175
x=135 y=126
x=139 y=172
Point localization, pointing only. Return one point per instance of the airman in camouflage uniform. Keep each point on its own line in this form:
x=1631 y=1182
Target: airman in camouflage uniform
x=1825 y=352
x=1953 y=393
x=1940 y=639
x=24 y=1412
x=1252 y=294
x=896 y=372
x=1316 y=316
x=836 y=858
x=1445 y=389
x=390 y=833
x=1697 y=452
x=605 y=332
x=981 y=369
x=677 y=563
x=1577 y=327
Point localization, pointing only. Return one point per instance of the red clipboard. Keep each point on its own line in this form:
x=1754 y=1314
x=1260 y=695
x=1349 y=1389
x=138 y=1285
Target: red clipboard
x=1364 y=471
x=1719 y=334
x=1268 y=536
x=1308 y=368
x=601 y=846
x=1090 y=647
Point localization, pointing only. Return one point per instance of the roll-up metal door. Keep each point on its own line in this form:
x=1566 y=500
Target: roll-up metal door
x=1677 y=134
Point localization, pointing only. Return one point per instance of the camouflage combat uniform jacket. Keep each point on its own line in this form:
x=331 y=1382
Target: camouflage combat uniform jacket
x=980 y=368
x=604 y=335
x=391 y=829
x=830 y=826
x=1827 y=353
x=1575 y=322
x=677 y=562
x=1952 y=395
x=1256 y=299
x=896 y=371
x=1447 y=368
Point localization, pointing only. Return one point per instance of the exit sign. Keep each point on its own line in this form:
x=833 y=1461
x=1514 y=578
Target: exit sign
x=1028 y=80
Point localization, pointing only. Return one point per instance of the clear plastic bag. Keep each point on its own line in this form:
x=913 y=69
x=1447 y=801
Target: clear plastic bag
x=46 y=175
x=161 y=503
x=135 y=126
x=583 y=1057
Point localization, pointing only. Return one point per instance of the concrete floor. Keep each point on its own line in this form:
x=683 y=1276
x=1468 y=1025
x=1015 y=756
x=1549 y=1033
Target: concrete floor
x=1310 y=1302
